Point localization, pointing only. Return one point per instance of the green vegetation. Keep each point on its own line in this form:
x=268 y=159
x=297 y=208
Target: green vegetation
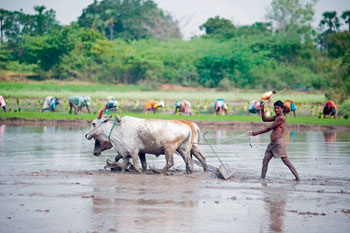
x=135 y=45
x=101 y=91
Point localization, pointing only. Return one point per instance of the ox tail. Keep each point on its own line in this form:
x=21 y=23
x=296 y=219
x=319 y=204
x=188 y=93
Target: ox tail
x=195 y=141
x=198 y=135
x=188 y=140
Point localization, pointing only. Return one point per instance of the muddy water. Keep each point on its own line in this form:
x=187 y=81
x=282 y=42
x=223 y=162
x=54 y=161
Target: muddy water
x=50 y=182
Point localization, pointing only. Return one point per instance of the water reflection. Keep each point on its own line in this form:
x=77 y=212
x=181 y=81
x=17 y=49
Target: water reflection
x=330 y=136
x=2 y=136
x=288 y=135
x=275 y=199
x=220 y=134
x=139 y=208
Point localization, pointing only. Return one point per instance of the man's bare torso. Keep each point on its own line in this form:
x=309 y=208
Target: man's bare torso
x=277 y=133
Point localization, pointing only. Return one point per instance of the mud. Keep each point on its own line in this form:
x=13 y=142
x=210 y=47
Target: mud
x=50 y=182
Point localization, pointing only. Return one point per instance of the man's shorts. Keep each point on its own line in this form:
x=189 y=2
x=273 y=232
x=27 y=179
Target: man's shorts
x=277 y=149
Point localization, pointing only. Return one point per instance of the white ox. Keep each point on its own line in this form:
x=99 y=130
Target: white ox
x=101 y=146
x=131 y=136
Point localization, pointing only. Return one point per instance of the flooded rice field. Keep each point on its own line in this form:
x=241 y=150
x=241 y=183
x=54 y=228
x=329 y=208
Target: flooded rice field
x=51 y=182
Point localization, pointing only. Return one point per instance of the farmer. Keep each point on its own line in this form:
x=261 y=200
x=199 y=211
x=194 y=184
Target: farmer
x=289 y=106
x=2 y=103
x=330 y=109
x=220 y=107
x=276 y=148
x=254 y=107
x=268 y=95
x=152 y=105
x=50 y=104
x=78 y=102
x=111 y=105
x=183 y=107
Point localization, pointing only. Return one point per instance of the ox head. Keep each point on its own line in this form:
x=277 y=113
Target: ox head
x=96 y=131
x=101 y=146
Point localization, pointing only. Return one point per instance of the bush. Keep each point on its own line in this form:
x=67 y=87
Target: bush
x=344 y=109
x=225 y=85
x=20 y=67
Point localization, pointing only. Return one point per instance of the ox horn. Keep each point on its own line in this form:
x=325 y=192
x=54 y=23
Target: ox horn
x=100 y=114
x=118 y=118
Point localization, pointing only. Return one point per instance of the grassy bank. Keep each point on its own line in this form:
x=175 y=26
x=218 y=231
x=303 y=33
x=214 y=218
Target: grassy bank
x=291 y=120
x=64 y=90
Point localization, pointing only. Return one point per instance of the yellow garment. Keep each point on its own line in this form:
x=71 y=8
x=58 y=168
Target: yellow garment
x=151 y=104
x=287 y=104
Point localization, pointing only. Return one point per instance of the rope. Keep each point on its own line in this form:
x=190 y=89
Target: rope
x=108 y=111
x=227 y=140
x=109 y=136
x=94 y=129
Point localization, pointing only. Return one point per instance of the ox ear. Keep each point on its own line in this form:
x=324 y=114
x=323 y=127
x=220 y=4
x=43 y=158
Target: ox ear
x=118 y=118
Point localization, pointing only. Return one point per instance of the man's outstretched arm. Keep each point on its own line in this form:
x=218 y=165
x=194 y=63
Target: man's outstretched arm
x=275 y=124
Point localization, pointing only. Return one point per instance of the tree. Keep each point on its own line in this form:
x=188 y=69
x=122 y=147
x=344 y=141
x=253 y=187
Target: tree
x=218 y=26
x=338 y=43
x=110 y=23
x=129 y=19
x=258 y=29
x=15 y=24
x=346 y=17
x=286 y=14
x=44 y=21
x=330 y=20
x=340 y=80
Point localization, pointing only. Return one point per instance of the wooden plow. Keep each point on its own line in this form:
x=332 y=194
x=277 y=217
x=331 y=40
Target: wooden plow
x=224 y=169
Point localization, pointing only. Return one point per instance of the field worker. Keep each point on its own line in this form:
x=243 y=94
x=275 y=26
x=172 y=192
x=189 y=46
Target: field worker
x=254 y=107
x=277 y=147
x=2 y=103
x=111 y=105
x=183 y=107
x=268 y=95
x=220 y=107
x=152 y=105
x=289 y=106
x=330 y=109
x=50 y=104
x=78 y=102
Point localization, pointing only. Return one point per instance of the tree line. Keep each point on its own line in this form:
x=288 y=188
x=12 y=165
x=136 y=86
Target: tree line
x=133 y=41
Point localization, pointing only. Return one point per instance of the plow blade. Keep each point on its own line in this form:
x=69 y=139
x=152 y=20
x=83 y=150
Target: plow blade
x=225 y=171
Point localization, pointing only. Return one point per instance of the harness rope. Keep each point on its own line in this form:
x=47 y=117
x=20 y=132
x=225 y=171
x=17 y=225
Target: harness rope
x=109 y=136
x=227 y=140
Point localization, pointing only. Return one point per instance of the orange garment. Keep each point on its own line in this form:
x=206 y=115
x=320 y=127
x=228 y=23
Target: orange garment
x=331 y=104
x=151 y=104
x=287 y=104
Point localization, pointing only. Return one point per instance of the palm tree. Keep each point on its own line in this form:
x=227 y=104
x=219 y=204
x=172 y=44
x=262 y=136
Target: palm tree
x=110 y=23
x=330 y=20
x=346 y=17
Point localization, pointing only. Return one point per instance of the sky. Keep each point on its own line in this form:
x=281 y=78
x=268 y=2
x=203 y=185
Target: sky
x=189 y=13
